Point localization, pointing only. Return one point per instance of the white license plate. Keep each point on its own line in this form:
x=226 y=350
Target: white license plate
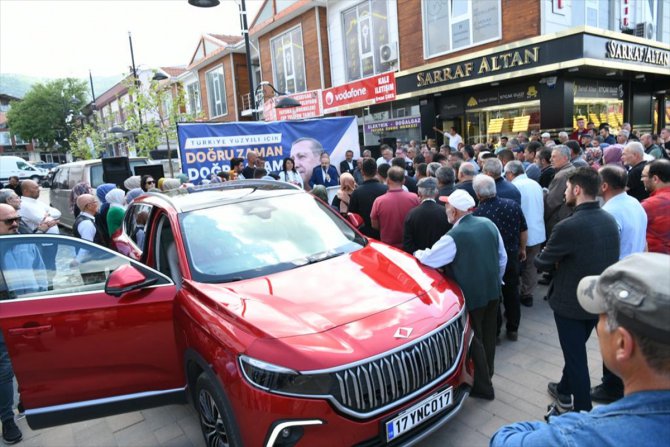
x=418 y=413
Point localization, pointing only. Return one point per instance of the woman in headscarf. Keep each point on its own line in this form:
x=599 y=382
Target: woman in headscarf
x=132 y=182
x=116 y=199
x=133 y=194
x=101 y=218
x=320 y=192
x=347 y=186
x=612 y=154
x=594 y=156
x=79 y=189
x=183 y=178
x=171 y=183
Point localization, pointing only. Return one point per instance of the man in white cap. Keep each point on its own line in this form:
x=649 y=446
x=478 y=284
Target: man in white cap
x=632 y=300
x=474 y=255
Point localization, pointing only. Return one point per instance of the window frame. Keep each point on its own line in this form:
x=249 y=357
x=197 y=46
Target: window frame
x=194 y=97
x=224 y=98
x=273 y=57
x=427 y=56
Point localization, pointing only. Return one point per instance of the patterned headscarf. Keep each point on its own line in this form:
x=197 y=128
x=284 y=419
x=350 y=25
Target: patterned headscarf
x=79 y=189
x=132 y=182
x=612 y=154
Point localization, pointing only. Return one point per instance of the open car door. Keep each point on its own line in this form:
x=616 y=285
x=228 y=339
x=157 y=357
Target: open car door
x=89 y=332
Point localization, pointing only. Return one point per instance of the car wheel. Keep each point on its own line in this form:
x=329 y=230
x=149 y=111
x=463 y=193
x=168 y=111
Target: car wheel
x=216 y=421
x=35 y=178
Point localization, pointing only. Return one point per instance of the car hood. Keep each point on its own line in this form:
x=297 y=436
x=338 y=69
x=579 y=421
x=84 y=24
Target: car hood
x=322 y=296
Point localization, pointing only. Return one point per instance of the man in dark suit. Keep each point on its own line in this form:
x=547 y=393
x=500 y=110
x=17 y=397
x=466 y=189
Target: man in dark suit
x=364 y=196
x=324 y=174
x=583 y=244
x=426 y=223
x=348 y=164
x=446 y=179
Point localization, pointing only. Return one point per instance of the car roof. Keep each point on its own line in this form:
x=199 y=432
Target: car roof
x=212 y=195
x=91 y=162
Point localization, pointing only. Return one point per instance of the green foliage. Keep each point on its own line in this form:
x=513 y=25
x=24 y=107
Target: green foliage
x=45 y=113
x=79 y=142
x=160 y=111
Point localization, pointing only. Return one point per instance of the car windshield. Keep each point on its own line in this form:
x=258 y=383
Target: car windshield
x=258 y=237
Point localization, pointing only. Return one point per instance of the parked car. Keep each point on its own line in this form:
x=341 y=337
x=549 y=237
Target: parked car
x=11 y=165
x=281 y=322
x=67 y=175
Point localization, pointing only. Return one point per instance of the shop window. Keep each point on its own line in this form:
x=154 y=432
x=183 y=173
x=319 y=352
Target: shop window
x=216 y=92
x=193 y=93
x=452 y=25
x=366 y=36
x=288 y=61
x=489 y=124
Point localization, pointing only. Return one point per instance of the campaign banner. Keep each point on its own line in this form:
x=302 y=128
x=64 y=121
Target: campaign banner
x=310 y=107
x=381 y=127
x=372 y=90
x=207 y=148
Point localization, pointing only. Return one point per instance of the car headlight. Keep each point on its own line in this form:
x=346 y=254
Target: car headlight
x=284 y=380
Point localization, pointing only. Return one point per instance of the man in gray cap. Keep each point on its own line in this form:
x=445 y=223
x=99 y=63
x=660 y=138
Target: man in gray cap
x=632 y=299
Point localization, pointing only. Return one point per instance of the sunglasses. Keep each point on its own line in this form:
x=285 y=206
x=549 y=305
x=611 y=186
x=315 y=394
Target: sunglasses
x=11 y=220
x=151 y=182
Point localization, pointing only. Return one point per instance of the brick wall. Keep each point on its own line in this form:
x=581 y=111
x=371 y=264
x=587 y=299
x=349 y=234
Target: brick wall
x=310 y=47
x=520 y=20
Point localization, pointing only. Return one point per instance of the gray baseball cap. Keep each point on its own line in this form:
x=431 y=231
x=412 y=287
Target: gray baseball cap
x=638 y=288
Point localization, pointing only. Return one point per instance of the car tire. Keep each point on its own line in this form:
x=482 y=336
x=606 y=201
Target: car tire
x=35 y=178
x=215 y=413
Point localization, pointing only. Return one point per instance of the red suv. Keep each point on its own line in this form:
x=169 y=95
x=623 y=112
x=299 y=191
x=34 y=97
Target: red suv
x=283 y=324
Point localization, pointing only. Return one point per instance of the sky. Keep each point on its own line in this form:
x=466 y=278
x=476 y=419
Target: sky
x=58 y=38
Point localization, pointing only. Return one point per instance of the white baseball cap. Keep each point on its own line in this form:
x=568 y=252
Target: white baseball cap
x=459 y=199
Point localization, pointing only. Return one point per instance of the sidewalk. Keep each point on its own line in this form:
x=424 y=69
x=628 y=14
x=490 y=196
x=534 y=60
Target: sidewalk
x=523 y=369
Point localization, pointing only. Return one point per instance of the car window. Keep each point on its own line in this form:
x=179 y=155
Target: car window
x=75 y=176
x=60 y=178
x=24 y=166
x=96 y=175
x=35 y=267
x=258 y=237
x=136 y=221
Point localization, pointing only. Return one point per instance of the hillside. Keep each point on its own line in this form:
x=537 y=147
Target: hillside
x=18 y=85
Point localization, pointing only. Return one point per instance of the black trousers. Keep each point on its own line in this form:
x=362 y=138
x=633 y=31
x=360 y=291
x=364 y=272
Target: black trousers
x=573 y=335
x=510 y=292
x=483 y=348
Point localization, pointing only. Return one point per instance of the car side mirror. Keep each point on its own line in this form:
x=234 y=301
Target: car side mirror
x=126 y=279
x=355 y=220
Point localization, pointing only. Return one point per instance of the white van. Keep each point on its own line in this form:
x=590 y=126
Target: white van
x=17 y=166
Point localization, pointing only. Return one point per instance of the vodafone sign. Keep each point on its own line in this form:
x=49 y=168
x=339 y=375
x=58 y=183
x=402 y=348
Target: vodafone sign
x=373 y=90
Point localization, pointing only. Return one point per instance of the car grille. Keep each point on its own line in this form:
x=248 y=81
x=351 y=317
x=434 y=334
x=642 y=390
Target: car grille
x=370 y=386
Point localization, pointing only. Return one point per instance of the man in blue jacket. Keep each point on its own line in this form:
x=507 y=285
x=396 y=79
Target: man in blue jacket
x=632 y=299
x=324 y=174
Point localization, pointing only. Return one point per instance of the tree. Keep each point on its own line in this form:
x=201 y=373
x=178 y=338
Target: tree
x=160 y=110
x=46 y=112
x=81 y=140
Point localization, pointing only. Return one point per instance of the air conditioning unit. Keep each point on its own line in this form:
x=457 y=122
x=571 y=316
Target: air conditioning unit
x=645 y=30
x=388 y=53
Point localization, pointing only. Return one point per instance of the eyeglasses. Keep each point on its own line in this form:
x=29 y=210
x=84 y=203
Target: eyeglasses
x=11 y=220
x=151 y=182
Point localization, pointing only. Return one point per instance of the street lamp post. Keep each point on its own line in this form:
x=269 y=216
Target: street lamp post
x=247 y=45
x=136 y=80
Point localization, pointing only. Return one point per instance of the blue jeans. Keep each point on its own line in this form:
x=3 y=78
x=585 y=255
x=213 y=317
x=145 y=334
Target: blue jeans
x=6 y=383
x=573 y=335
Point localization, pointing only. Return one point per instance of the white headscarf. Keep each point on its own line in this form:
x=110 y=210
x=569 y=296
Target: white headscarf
x=116 y=197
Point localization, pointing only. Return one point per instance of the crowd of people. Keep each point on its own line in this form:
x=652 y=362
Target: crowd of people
x=491 y=217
